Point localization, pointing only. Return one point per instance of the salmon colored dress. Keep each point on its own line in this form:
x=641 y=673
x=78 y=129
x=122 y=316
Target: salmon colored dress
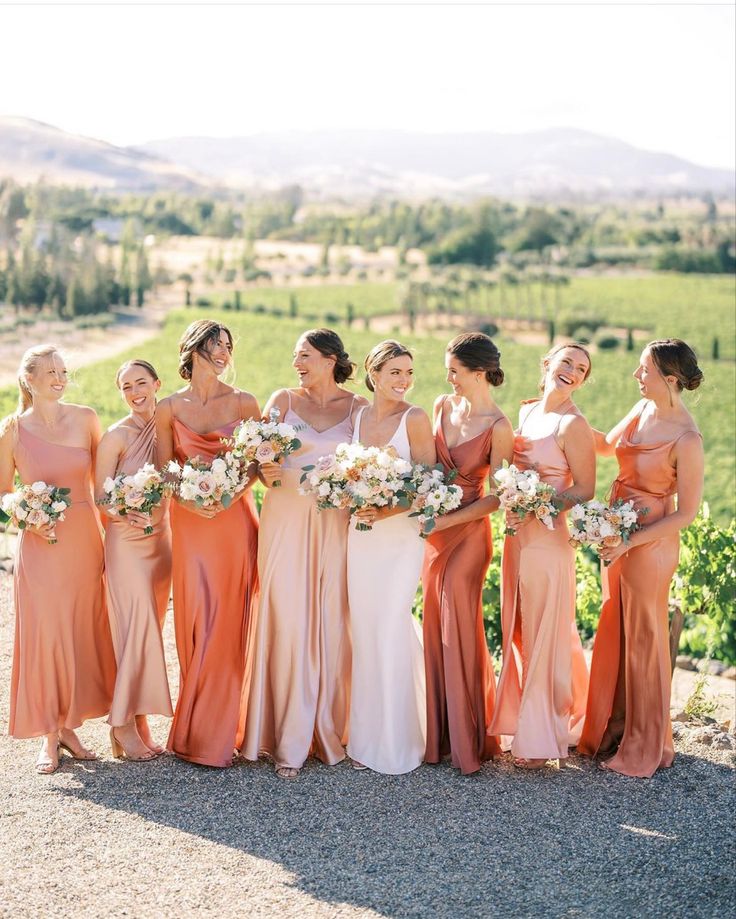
x=299 y=694
x=63 y=661
x=460 y=681
x=138 y=575
x=544 y=678
x=215 y=581
x=630 y=677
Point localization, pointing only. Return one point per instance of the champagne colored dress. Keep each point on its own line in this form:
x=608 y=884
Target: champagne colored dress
x=388 y=698
x=543 y=706
x=63 y=661
x=215 y=581
x=460 y=680
x=299 y=691
x=630 y=677
x=138 y=575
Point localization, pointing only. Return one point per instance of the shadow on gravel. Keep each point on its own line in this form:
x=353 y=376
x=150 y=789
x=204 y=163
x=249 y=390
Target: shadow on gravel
x=578 y=842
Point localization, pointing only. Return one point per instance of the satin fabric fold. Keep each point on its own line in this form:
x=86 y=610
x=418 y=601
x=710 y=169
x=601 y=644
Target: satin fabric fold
x=630 y=680
x=544 y=678
x=63 y=662
x=215 y=584
x=459 y=671
x=138 y=577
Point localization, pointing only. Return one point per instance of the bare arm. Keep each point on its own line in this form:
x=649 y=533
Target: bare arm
x=106 y=463
x=164 y=435
x=7 y=461
x=605 y=444
x=249 y=410
x=421 y=438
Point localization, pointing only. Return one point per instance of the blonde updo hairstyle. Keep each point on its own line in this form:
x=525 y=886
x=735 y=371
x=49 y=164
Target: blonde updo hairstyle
x=579 y=346
x=383 y=352
x=195 y=339
x=28 y=365
x=675 y=358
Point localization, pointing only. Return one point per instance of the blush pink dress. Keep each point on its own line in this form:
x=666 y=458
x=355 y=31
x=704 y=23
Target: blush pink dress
x=63 y=661
x=215 y=582
x=461 y=687
x=628 y=710
x=299 y=690
x=138 y=575
x=544 y=679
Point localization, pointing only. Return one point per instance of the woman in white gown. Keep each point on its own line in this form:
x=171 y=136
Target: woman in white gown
x=387 y=703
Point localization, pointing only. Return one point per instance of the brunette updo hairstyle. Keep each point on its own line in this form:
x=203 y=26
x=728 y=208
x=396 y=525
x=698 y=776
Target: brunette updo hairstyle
x=329 y=344
x=195 y=339
x=384 y=352
x=137 y=362
x=675 y=358
x=476 y=351
x=579 y=346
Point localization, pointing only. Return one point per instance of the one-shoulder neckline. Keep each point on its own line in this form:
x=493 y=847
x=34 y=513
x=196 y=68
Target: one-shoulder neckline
x=206 y=433
x=50 y=443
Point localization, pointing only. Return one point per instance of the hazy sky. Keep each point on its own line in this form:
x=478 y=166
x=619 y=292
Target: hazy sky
x=659 y=76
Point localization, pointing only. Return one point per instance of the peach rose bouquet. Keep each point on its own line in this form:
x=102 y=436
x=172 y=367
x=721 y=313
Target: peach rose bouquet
x=37 y=505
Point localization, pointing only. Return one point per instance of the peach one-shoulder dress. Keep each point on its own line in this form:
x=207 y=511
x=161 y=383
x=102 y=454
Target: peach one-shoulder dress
x=138 y=577
x=630 y=676
x=63 y=661
x=544 y=678
x=299 y=693
x=460 y=680
x=215 y=582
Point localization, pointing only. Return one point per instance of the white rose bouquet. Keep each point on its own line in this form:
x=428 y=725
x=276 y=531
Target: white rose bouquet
x=264 y=441
x=433 y=495
x=37 y=505
x=207 y=484
x=143 y=491
x=523 y=492
x=602 y=525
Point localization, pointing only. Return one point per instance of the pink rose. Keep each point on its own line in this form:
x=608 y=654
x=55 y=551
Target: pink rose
x=265 y=453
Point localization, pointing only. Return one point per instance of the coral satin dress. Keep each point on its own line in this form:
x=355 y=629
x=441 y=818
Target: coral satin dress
x=299 y=691
x=138 y=575
x=543 y=706
x=63 y=661
x=460 y=680
x=215 y=580
x=630 y=676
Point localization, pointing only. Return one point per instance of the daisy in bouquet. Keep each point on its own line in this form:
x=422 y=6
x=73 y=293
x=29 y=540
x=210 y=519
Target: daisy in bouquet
x=602 y=525
x=143 y=491
x=433 y=495
x=207 y=484
x=359 y=477
x=522 y=492
x=264 y=441
x=37 y=505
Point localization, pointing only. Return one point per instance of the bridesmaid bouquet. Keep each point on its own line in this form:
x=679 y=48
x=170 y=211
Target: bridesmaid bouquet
x=523 y=492
x=206 y=484
x=356 y=476
x=143 y=491
x=36 y=505
x=604 y=526
x=264 y=441
x=434 y=495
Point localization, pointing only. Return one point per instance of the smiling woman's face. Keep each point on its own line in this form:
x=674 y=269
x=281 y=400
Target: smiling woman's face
x=139 y=389
x=566 y=370
x=49 y=378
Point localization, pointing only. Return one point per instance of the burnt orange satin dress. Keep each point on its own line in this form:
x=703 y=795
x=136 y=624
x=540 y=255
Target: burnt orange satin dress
x=630 y=676
x=544 y=678
x=460 y=680
x=63 y=661
x=215 y=580
x=138 y=576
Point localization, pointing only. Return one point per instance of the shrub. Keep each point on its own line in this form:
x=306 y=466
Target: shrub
x=203 y=302
x=488 y=328
x=608 y=342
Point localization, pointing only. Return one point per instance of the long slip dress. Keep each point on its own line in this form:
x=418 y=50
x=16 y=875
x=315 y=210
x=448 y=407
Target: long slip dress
x=630 y=677
x=63 y=661
x=388 y=699
x=544 y=706
x=299 y=692
x=460 y=679
x=215 y=582
x=138 y=576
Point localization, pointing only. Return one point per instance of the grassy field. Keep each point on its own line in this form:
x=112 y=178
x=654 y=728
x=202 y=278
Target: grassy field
x=263 y=363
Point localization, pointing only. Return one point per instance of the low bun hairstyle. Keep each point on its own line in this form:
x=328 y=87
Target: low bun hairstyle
x=329 y=344
x=476 y=351
x=383 y=352
x=137 y=362
x=675 y=358
x=195 y=339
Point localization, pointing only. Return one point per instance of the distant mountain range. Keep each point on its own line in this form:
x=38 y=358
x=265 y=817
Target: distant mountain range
x=360 y=164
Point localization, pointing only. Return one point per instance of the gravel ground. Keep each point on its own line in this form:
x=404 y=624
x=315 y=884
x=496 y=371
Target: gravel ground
x=168 y=838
